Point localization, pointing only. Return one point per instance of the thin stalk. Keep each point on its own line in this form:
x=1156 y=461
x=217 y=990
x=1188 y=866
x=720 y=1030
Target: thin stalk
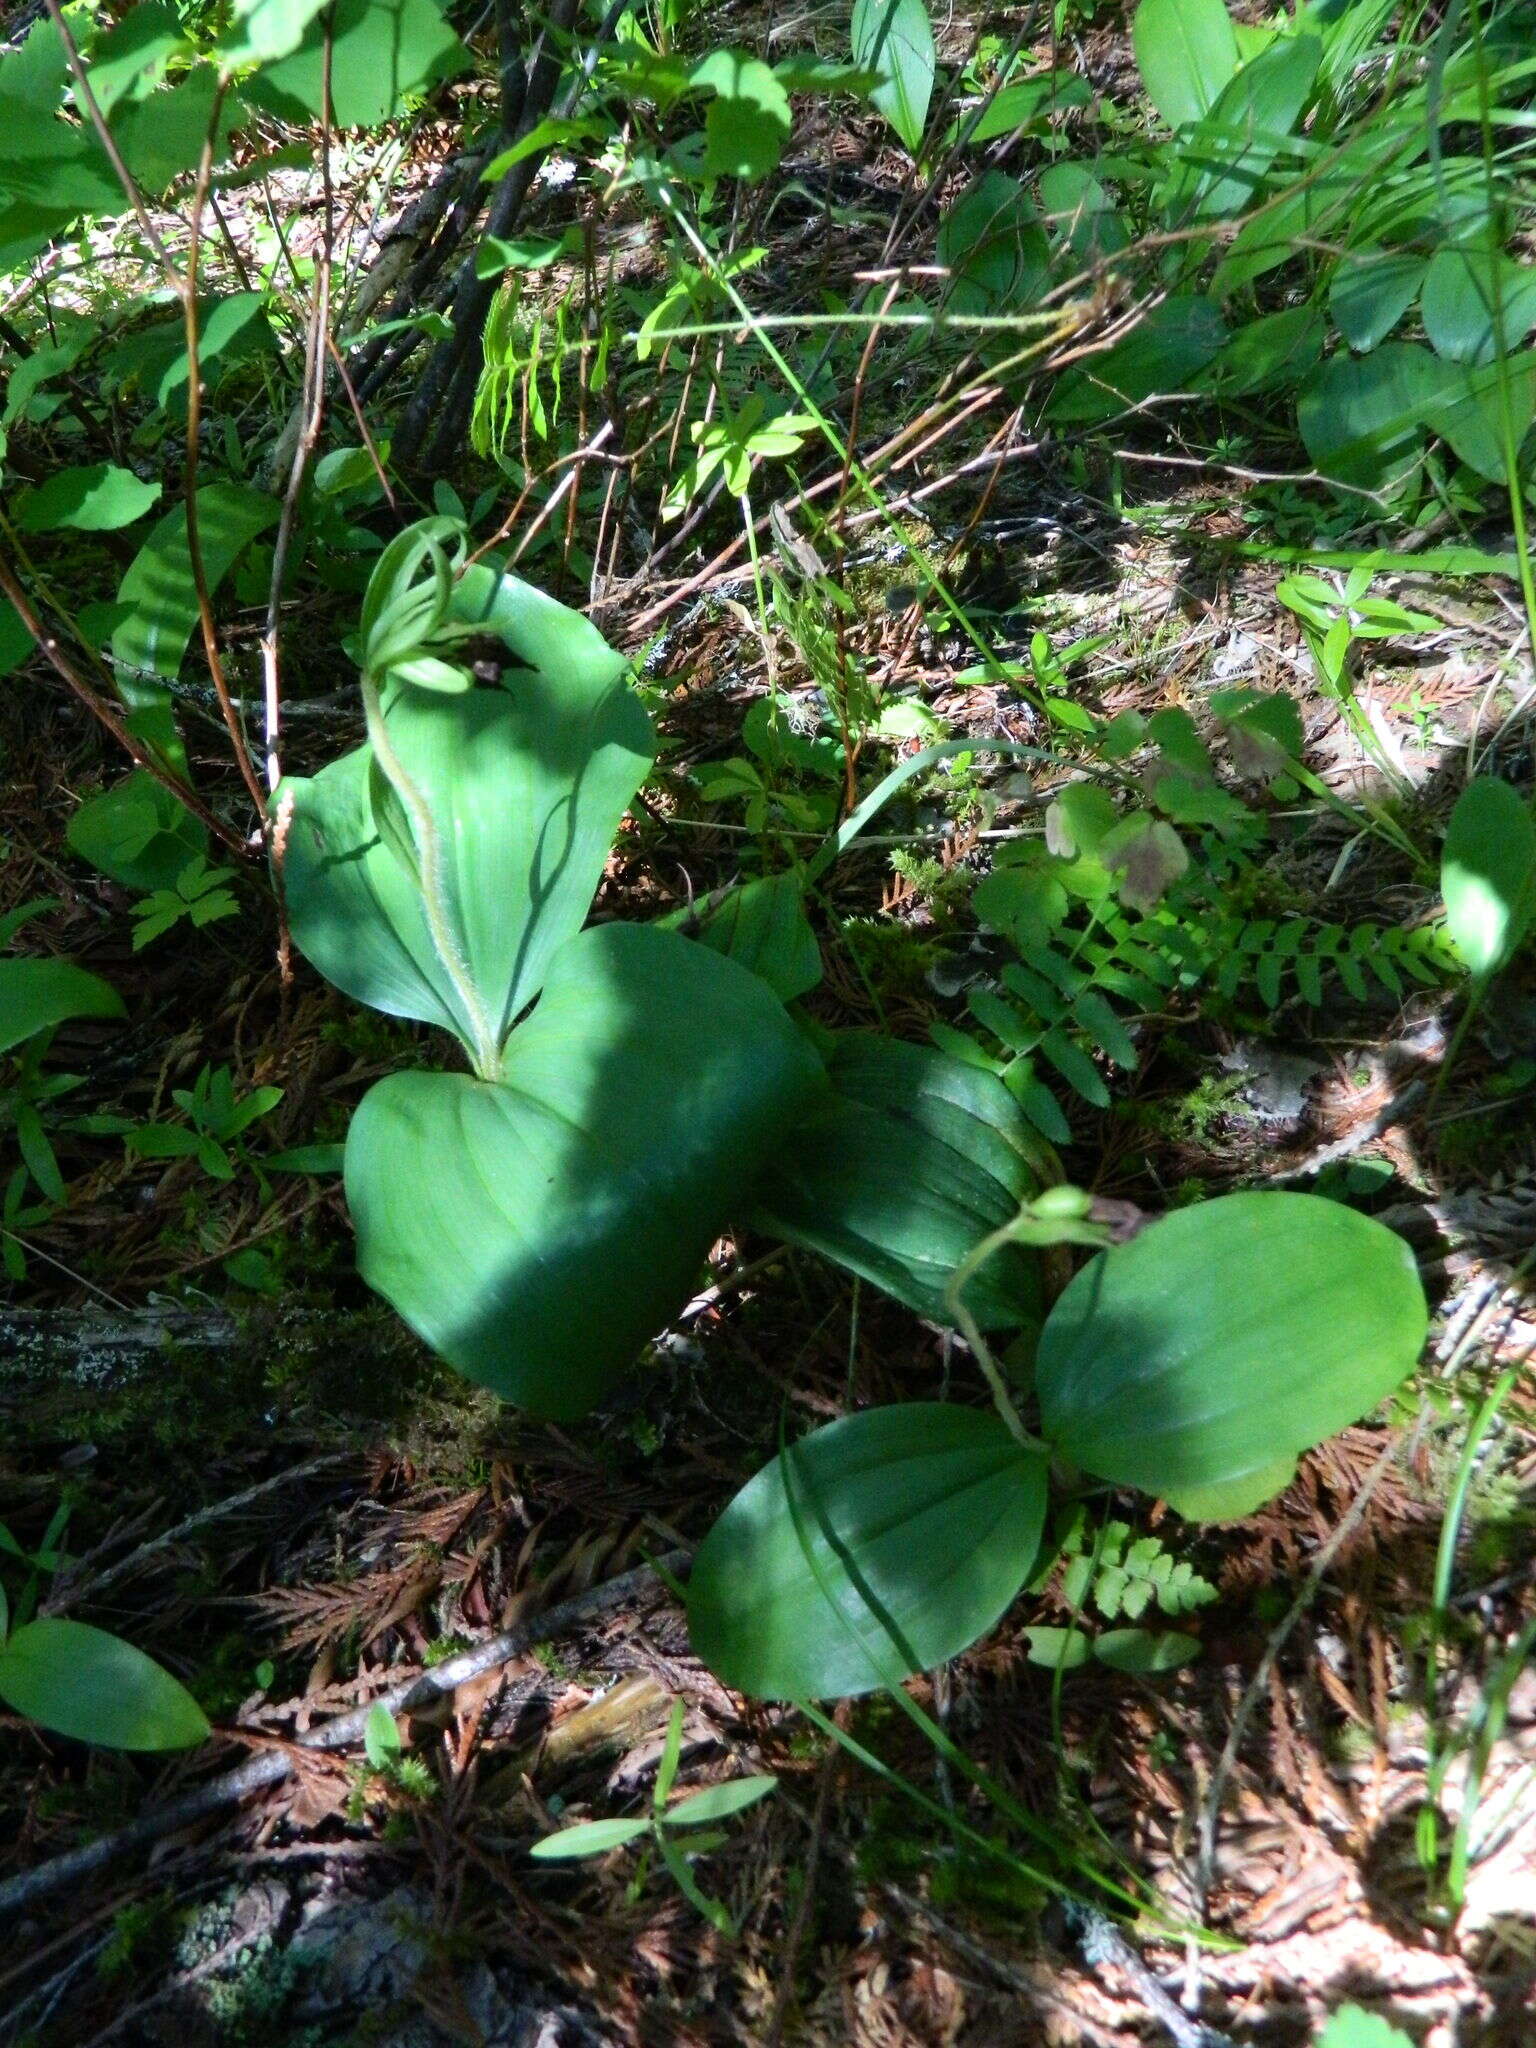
x=205 y=615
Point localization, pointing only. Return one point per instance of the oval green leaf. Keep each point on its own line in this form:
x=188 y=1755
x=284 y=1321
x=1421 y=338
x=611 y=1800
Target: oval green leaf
x=1058 y=1649
x=876 y=1547
x=37 y=994
x=82 y=1682
x=1371 y=291
x=137 y=832
x=1363 y=418
x=588 y=1838
x=93 y=500
x=763 y=925
x=900 y=1174
x=1200 y=1359
x=895 y=38
x=539 y=1231
x=160 y=587
x=1476 y=297
x=1145 y=1652
x=718 y=1802
x=1186 y=51
x=1488 y=873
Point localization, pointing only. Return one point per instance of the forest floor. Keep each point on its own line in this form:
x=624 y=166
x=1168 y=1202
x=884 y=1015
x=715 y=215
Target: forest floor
x=282 y=1496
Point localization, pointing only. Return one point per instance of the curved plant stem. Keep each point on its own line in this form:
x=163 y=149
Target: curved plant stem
x=970 y=1329
x=485 y=1052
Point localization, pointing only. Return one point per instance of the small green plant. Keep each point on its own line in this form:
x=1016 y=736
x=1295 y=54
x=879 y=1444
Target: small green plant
x=1184 y=1362
x=387 y=1760
x=789 y=777
x=36 y=997
x=1123 y=1575
x=735 y=445
x=1338 y=617
x=200 y=894
x=217 y=1120
x=668 y=1830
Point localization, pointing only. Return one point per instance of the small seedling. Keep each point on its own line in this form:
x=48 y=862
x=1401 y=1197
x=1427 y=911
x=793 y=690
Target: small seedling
x=666 y=1828
x=216 y=1123
x=200 y=895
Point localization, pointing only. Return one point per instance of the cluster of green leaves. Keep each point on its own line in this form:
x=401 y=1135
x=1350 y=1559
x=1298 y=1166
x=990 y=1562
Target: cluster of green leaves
x=36 y=997
x=658 y=1086
x=674 y=1833
x=1194 y=1362
x=166 y=84
x=1122 y=1574
x=1308 y=230
x=216 y=1123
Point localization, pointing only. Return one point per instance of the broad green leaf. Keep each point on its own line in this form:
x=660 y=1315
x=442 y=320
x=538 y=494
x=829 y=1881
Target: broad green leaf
x=876 y=1547
x=1488 y=874
x=718 y=1802
x=588 y=1838
x=1474 y=295
x=381 y=1737
x=1249 y=125
x=748 y=121
x=528 y=784
x=895 y=38
x=1370 y=291
x=1058 y=1649
x=1468 y=411
x=763 y=925
x=35 y=995
x=82 y=1682
x=539 y=1231
x=898 y=1176
x=1186 y=52
x=159 y=584
x=137 y=833
x=1163 y=357
x=384 y=54
x=230 y=331
x=1363 y=418
x=132 y=58
x=1353 y=2027
x=1080 y=214
x=1223 y=1341
x=524 y=252
x=1146 y=1652
x=347 y=469
x=994 y=248
x=1022 y=103
x=161 y=137
x=16 y=643
x=261 y=30
x=93 y=500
